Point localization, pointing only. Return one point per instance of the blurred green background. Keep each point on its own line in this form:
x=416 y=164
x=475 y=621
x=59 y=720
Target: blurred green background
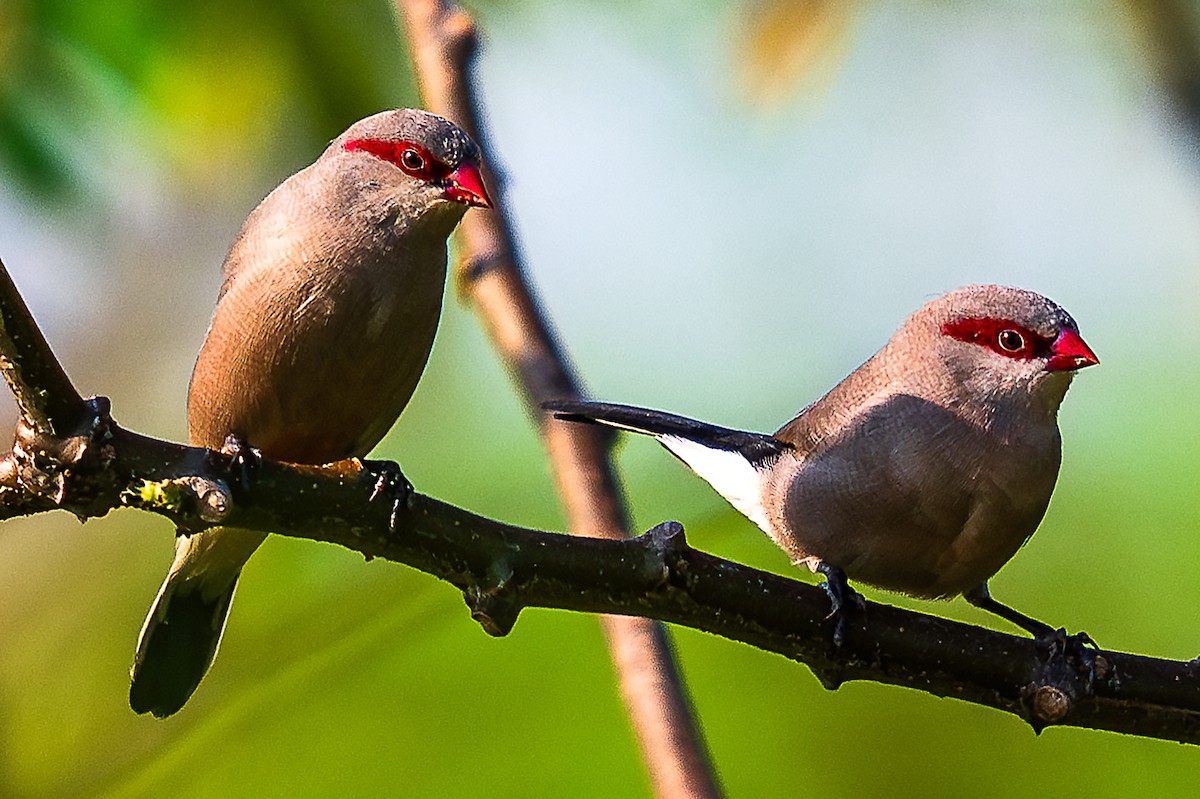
x=726 y=206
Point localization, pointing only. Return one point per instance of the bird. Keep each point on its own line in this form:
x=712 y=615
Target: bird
x=923 y=471
x=330 y=300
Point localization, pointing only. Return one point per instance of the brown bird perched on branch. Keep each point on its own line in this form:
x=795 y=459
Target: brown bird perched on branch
x=923 y=471
x=325 y=320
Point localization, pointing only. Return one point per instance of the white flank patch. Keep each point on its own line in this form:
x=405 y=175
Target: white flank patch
x=728 y=472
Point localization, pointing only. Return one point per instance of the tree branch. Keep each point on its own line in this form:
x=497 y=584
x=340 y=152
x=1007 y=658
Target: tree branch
x=443 y=41
x=45 y=396
x=70 y=455
x=502 y=569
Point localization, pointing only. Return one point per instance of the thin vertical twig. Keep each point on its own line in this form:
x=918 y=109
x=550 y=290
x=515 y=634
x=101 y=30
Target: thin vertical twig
x=443 y=40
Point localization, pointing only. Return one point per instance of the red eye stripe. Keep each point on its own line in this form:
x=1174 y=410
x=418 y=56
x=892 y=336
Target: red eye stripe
x=997 y=336
x=401 y=154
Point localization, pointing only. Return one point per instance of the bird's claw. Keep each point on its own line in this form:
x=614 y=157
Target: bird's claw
x=391 y=485
x=841 y=598
x=1069 y=645
x=244 y=460
x=1079 y=650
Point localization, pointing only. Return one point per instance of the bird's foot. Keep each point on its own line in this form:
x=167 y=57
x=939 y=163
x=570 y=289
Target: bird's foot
x=390 y=485
x=841 y=599
x=1072 y=669
x=244 y=460
x=981 y=597
x=1078 y=651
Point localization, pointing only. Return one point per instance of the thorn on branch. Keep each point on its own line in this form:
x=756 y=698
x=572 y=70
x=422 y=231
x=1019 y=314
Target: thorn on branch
x=831 y=675
x=668 y=543
x=493 y=602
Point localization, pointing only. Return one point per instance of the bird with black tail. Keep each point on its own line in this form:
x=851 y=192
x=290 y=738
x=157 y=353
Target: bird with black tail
x=331 y=298
x=923 y=471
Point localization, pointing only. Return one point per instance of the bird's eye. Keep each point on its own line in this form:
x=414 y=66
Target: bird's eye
x=412 y=160
x=1010 y=341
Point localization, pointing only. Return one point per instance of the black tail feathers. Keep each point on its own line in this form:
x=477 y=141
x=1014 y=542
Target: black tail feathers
x=758 y=448
x=176 y=649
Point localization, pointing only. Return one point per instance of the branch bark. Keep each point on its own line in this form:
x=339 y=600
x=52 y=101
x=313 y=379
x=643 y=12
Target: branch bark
x=502 y=569
x=70 y=455
x=443 y=41
x=30 y=367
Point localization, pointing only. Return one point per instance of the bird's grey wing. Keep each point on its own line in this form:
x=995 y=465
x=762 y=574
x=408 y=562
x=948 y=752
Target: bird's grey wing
x=887 y=498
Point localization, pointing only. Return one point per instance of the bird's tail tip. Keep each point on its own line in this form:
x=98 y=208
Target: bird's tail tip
x=177 y=647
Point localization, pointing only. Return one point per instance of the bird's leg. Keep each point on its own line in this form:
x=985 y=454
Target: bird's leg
x=841 y=596
x=1078 y=652
x=244 y=459
x=392 y=485
x=981 y=598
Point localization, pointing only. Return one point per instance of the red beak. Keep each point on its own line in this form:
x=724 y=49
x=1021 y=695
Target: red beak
x=466 y=186
x=1069 y=352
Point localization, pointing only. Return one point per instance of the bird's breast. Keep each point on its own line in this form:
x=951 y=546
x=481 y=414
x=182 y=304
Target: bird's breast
x=312 y=357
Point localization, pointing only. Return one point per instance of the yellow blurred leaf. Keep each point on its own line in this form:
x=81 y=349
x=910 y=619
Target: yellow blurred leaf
x=787 y=43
